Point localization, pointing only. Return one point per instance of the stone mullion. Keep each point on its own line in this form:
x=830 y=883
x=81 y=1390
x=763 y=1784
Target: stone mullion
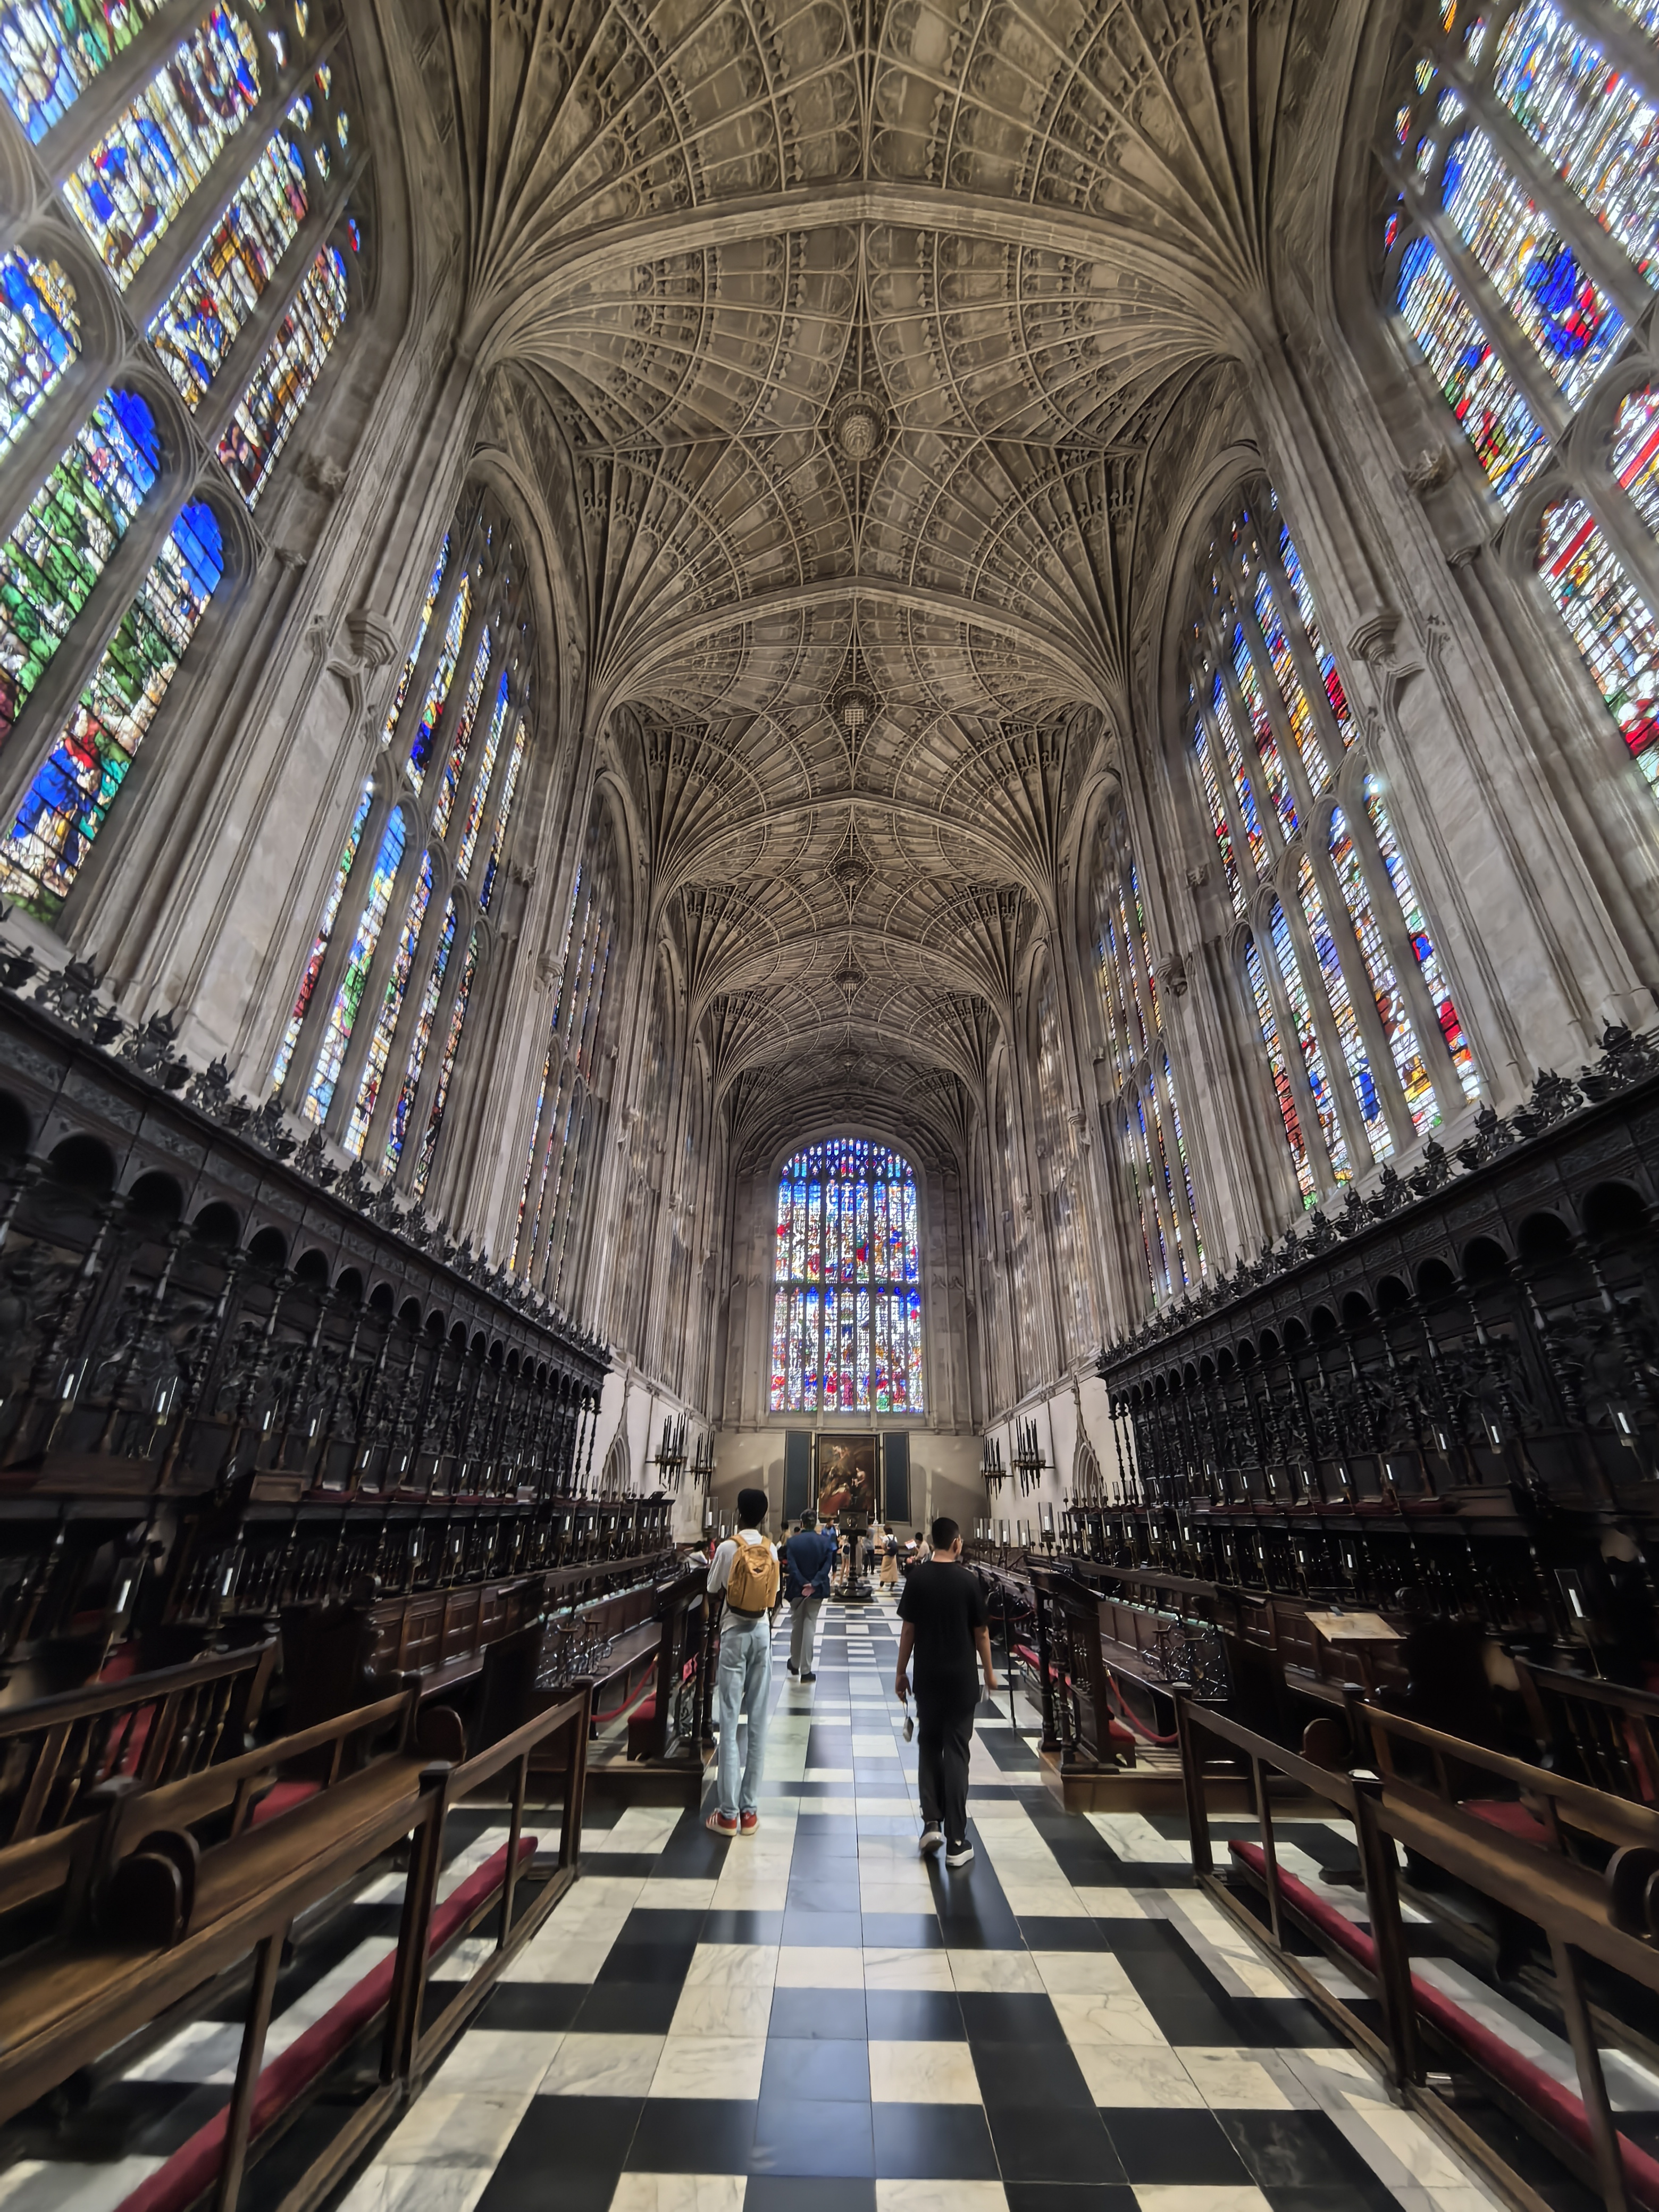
x=303 y=1058
x=379 y=968
x=515 y=708
x=1295 y=1067
x=420 y=1106
x=1085 y=1196
x=1352 y=960
x=541 y=1198
x=570 y=1115
x=477 y=620
x=1249 y=875
x=1162 y=1197
x=1266 y=813
x=1343 y=1095
x=1163 y=1085
x=1022 y=1092
x=462 y=543
x=402 y=1027
x=1279 y=718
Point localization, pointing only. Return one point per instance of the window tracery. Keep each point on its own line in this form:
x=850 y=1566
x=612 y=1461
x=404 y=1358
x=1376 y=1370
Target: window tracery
x=263 y=298
x=1142 y=1113
x=1340 y=978
x=847 y=1283
x=366 y=1009
x=1525 y=297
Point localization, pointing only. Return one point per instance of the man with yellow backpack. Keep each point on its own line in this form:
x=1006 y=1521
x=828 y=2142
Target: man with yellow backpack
x=744 y=1571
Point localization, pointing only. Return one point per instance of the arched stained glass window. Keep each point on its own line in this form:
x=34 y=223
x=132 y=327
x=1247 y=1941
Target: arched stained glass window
x=1338 y=977
x=58 y=551
x=1144 y=1112
x=847 y=1298
x=39 y=336
x=65 y=806
x=50 y=53
x=1564 y=291
x=139 y=176
x=253 y=439
x=420 y=944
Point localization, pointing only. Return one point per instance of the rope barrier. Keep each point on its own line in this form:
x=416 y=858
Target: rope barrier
x=1145 y=1733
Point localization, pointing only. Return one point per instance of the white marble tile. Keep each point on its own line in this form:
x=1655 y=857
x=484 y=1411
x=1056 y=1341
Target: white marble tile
x=37 y=2184
x=907 y=1969
x=642 y=1828
x=710 y=2066
x=1103 y=1904
x=1006 y=1973
x=1132 y=1838
x=1236 y=2081
x=1082 y=1973
x=603 y=2066
x=1095 y=2020
x=940 y=2197
x=382 y=2188
x=1145 y=2075
x=1164 y=2197
x=555 y=1957
x=755 y=1964
x=723 y=2008
x=679 y=2192
x=465 y=2127
x=923 y=2074
x=897 y=1896
x=676 y=1893
x=498 y=2058
x=819 y=1967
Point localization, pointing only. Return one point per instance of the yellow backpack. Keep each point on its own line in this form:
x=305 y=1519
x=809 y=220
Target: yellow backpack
x=752 y=1586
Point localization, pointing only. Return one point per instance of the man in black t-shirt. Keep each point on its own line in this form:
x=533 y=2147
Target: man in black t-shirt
x=945 y=1628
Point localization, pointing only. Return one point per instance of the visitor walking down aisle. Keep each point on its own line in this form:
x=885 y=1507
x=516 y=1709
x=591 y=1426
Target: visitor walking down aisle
x=945 y=1632
x=817 y=2020
x=744 y=1571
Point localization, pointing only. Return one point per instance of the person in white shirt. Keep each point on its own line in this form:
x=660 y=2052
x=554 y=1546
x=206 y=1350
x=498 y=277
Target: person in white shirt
x=742 y=1673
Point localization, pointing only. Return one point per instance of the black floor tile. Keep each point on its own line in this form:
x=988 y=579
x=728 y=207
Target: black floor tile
x=661 y=1964
x=990 y=2018
x=1055 y=2143
x=559 y=2160
x=914 y=2016
x=793 y=2136
x=629 y=2008
x=839 y=1931
x=1036 y=2077
x=634 y=1864
x=690 y=2135
x=820 y=2069
x=834 y=2015
x=1069 y=2196
x=727 y=1926
x=934 y=2142
x=797 y=2192
x=663 y=1929
x=1300 y=2150
x=691 y=1853
x=1189 y=2149
x=543 y=2007
x=1056 y=1933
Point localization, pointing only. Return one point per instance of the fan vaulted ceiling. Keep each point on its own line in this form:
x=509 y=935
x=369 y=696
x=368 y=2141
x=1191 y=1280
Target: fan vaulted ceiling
x=858 y=351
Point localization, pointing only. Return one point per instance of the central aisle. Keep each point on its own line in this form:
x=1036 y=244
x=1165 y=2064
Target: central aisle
x=816 y=2021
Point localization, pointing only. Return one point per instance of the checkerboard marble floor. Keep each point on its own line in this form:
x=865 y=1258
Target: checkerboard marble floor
x=815 y=2020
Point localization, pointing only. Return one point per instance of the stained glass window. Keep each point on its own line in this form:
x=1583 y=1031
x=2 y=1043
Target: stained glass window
x=420 y=752
x=1416 y=929
x=1335 y=697
x=1349 y=1036
x=1508 y=443
x=503 y=815
x=50 y=53
x=461 y=737
x=1261 y=728
x=319 y=943
x=425 y=1013
x=66 y=805
x=1061 y=1173
x=846 y=1311
x=1153 y=1149
x=1267 y=1021
x=196 y=324
x=391 y=1005
x=1609 y=622
x=480 y=783
x=1213 y=801
x=1306 y=1038
x=284 y=379
x=1397 y=1025
x=58 y=551
x=446 y=1066
x=414 y=653
x=337 y=1033
x=39 y=336
x=140 y=174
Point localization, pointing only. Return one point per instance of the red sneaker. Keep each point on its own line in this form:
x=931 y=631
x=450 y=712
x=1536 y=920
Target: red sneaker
x=717 y=1825
x=747 y=1823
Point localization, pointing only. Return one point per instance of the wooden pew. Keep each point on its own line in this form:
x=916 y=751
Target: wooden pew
x=152 y=1727
x=335 y=1656
x=679 y=1617
x=1601 y=1732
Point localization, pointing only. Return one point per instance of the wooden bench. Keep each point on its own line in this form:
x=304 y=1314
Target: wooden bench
x=78 y=1994
x=335 y=1656
x=1602 y=1733
x=55 y=1752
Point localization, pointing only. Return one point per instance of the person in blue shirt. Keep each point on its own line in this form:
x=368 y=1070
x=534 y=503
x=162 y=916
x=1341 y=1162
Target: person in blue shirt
x=808 y=1559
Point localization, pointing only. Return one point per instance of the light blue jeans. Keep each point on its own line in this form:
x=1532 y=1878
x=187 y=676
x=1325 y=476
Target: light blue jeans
x=742 y=1683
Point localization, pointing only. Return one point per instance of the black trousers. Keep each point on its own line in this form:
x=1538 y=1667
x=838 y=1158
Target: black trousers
x=944 y=1732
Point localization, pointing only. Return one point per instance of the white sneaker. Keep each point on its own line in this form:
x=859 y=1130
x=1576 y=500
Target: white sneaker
x=959 y=1854
x=932 y=1840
